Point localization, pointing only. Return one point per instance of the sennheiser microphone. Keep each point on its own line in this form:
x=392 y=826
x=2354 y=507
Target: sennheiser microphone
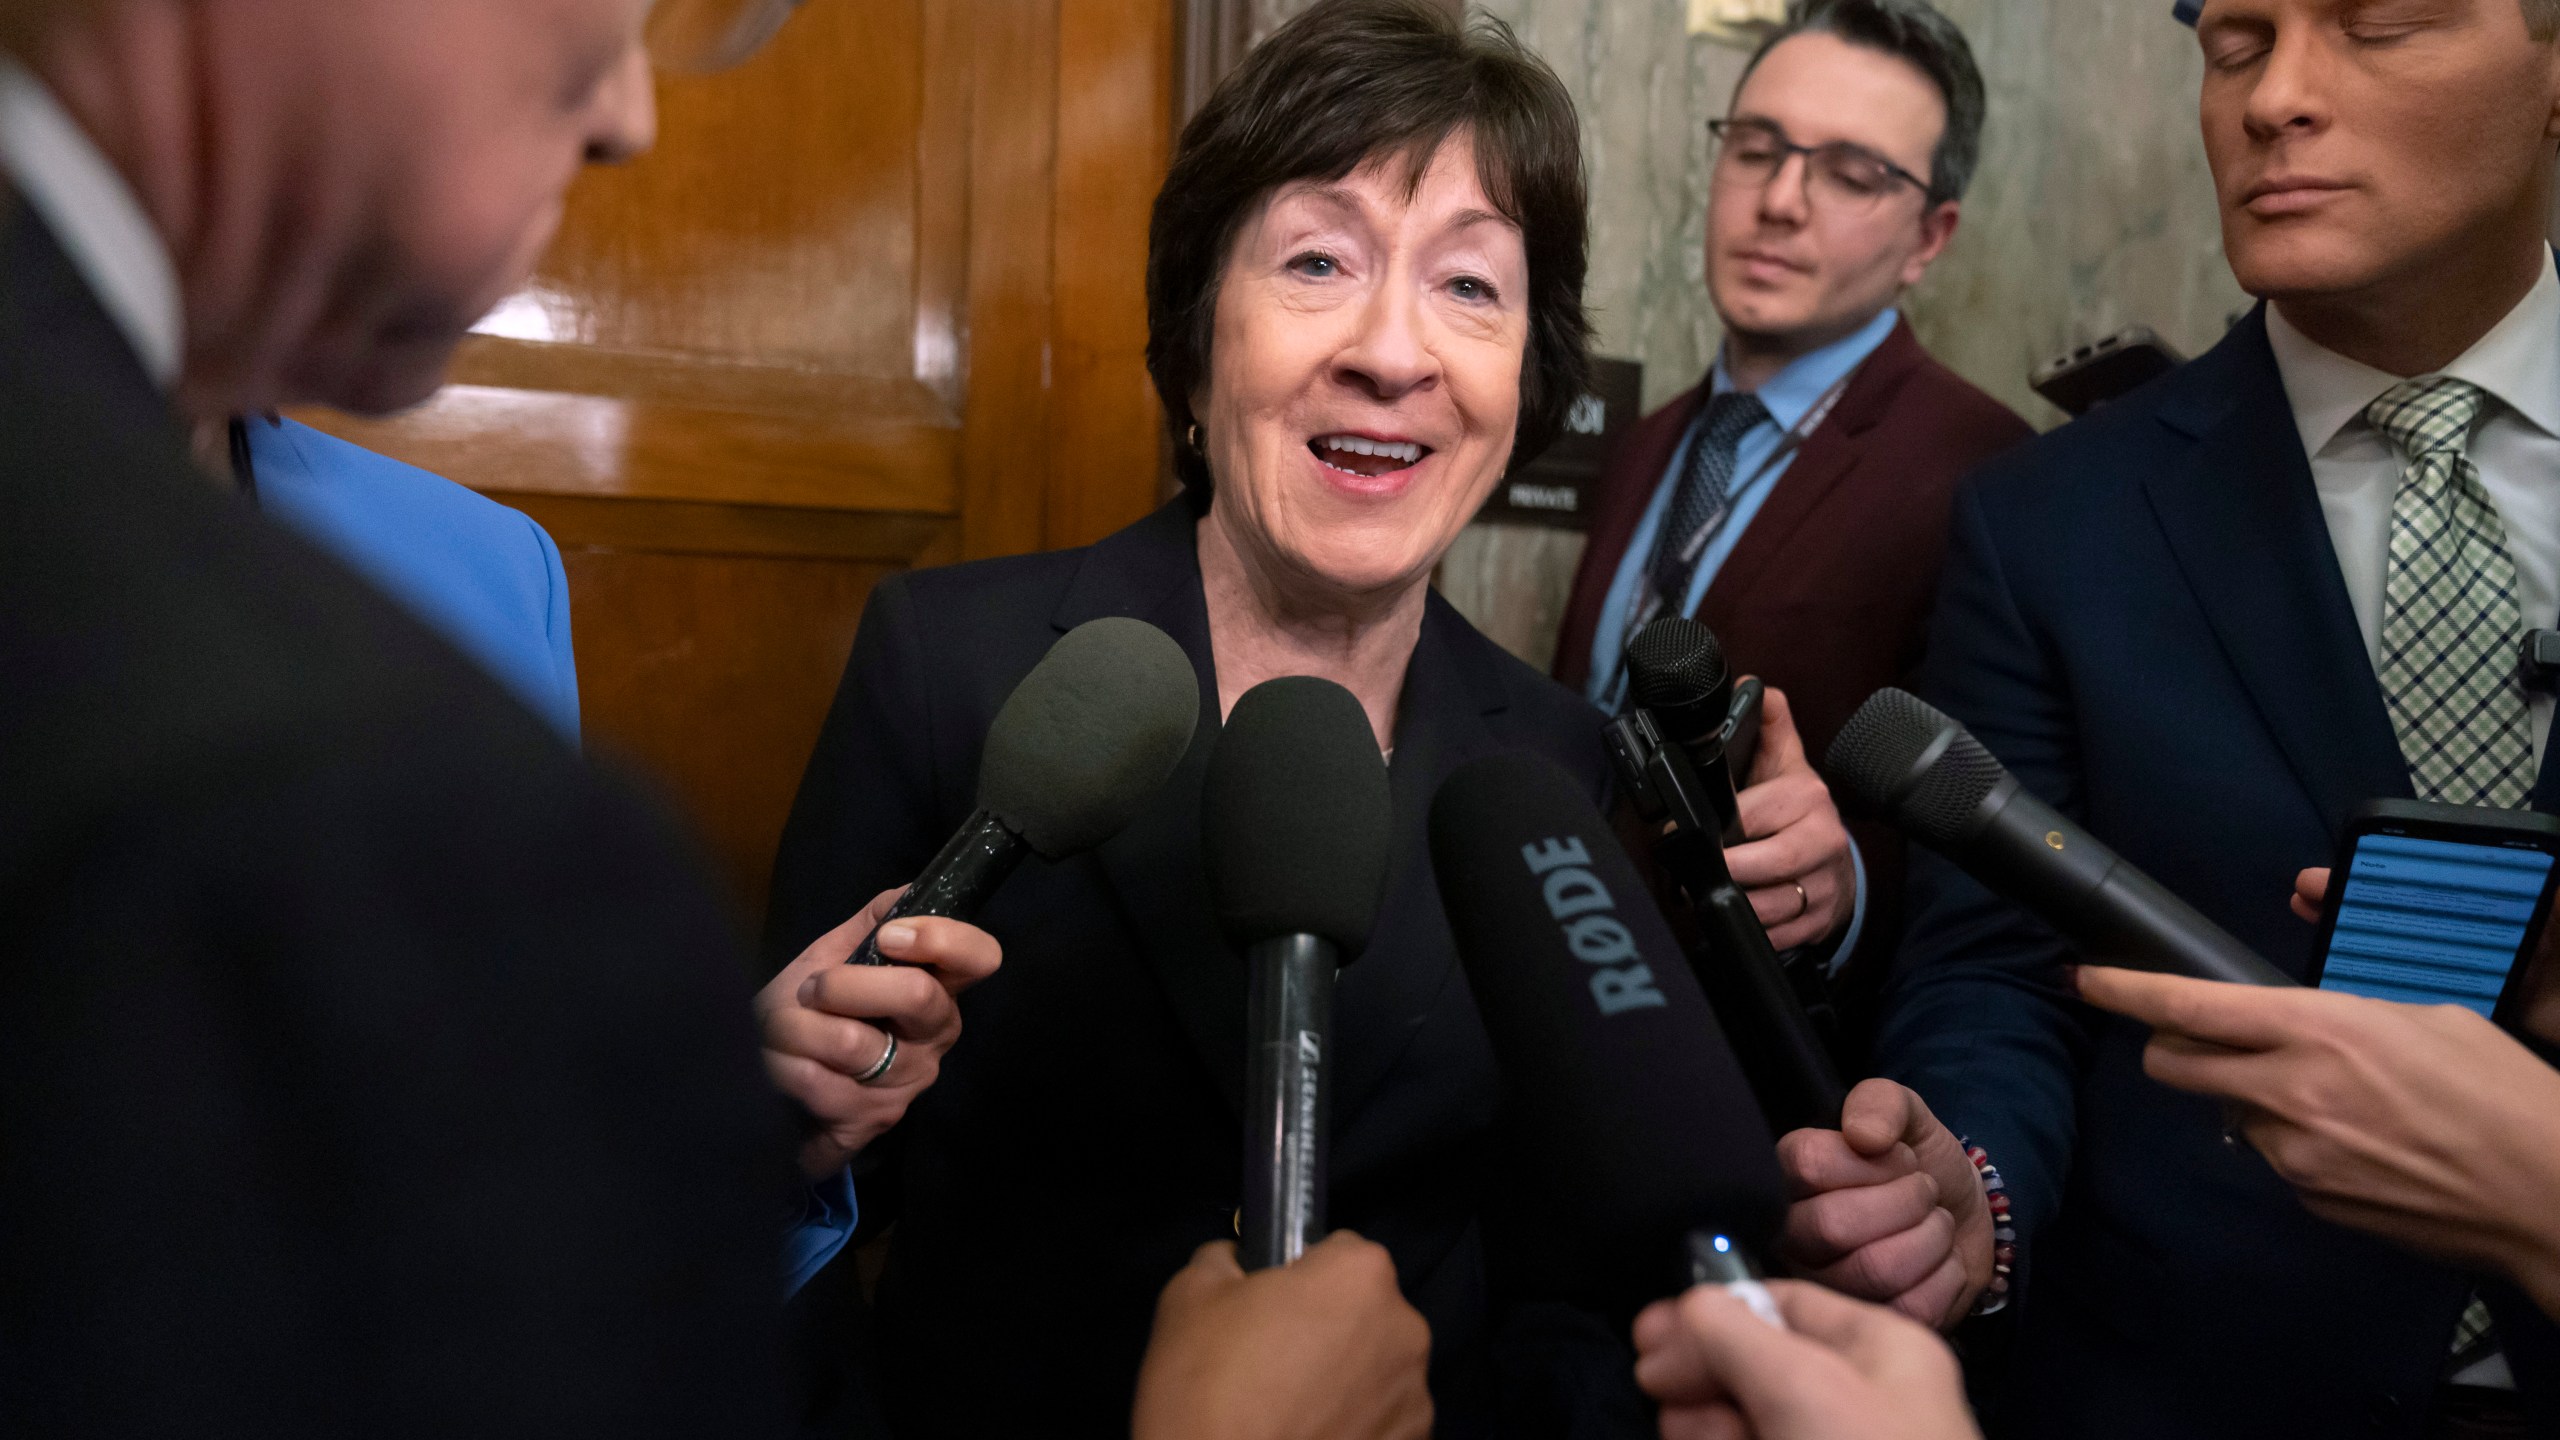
x=1629 y=1123
x=1295 y=826
x=1084 y=741
x=1938 y=785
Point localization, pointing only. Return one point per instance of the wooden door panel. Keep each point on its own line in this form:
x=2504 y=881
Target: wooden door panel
x=875 y=301
x=518 y=441
x=714 y=669
x=781 y=223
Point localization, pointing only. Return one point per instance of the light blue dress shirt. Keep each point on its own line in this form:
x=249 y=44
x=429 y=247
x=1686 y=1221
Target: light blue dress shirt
x=828 y=1216
x=1757 y=468
x=1788 y=395
x=483 y=576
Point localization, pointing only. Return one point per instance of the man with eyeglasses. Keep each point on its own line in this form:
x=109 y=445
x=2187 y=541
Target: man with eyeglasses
x=1796 y=500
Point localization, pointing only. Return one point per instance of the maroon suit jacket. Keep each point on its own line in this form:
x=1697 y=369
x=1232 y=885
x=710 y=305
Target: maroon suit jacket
x=1827 y=594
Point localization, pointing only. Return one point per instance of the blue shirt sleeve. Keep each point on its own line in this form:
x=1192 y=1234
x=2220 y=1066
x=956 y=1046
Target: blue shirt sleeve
x=827 y=1218
x=1857 y=910
x=563 y=708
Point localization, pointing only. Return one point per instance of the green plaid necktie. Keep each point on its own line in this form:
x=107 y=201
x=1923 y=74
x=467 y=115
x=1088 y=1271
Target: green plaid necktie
x=2449 y=627
x=2450 y=620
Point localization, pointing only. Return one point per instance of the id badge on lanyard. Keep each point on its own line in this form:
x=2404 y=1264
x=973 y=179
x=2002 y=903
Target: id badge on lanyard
x=1648 y=604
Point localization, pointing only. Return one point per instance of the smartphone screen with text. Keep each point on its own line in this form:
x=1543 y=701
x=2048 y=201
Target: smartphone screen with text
x=2433 y=922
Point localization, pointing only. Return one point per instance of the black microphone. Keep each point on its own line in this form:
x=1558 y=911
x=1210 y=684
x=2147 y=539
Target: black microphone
x=1084 y=741
x=1295 y=826
x=1672 y=761
x=1676 y=671
x=1939 y=786
x=1627 y=1122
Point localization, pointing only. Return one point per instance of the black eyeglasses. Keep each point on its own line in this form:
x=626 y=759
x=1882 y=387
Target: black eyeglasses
x=1752 y=152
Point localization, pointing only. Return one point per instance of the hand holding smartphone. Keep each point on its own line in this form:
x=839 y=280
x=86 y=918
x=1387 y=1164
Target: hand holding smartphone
x=2439 y=904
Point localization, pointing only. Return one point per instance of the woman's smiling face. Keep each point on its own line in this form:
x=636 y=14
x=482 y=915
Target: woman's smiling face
x=1364 y=371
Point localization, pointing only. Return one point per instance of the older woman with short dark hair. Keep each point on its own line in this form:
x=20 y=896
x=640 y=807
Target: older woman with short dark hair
x=1364 y=294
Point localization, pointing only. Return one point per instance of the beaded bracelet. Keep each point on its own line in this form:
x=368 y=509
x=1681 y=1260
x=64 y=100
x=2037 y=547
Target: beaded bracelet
x=2004 y=1231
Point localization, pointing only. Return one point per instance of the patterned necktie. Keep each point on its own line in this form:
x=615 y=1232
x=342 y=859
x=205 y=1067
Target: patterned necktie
x=2450 y=620
x=1706 y=491
x=2449 y=627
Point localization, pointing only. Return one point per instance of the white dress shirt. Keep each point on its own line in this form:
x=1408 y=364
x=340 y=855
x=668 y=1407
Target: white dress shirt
x=2516 y=445
x=94 y=216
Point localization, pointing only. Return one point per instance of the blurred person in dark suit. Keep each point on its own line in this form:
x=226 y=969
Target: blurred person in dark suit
x=2208 y=621
x=1795 y=501
x=1365 y=282
x=367 y=1065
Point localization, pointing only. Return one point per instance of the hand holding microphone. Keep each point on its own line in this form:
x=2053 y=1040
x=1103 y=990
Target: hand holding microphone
x=1080 y=745
x=1323 y=1348
x=1795 y=864
x=1082 y=742
x=1670 y=752
x=1784 y=843
x=1839 y=1370
x=1888 y=1207
x=856 y=1044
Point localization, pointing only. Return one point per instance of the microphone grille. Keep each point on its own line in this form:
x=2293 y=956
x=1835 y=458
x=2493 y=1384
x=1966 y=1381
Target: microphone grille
x=1673 y=663
x=1089 y=735
x=1297 y=821
x=1877 y=753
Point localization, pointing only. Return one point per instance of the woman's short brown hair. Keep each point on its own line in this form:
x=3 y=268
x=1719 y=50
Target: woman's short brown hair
x=1347 y=82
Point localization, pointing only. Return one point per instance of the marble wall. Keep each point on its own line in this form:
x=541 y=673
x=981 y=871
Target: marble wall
x=2092 y=210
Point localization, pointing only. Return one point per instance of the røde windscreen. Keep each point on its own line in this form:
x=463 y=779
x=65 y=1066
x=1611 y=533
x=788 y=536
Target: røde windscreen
x=1939 y=786
x=1627 y=1123
x=1086 y=738
x=1295 y=820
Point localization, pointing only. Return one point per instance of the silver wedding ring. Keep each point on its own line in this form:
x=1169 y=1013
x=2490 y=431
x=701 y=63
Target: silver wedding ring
x=880 y=1067
x=1804 y=902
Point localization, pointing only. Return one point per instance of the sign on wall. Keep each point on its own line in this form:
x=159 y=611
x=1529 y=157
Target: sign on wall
x=1556 y=489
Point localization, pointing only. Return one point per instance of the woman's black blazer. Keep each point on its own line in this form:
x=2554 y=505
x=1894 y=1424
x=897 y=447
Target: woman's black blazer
x=1084 y=1137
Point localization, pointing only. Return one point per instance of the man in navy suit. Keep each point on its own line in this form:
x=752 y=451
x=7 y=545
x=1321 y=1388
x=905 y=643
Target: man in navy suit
x=2207 y=622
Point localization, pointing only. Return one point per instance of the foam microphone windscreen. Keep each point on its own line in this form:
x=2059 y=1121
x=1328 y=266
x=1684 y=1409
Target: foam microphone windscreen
x=1089 y=735
x=1903 y=757
x=1295 y=816
x=1627 y=1121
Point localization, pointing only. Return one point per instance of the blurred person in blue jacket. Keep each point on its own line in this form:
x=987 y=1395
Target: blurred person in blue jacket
x=483 y=576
